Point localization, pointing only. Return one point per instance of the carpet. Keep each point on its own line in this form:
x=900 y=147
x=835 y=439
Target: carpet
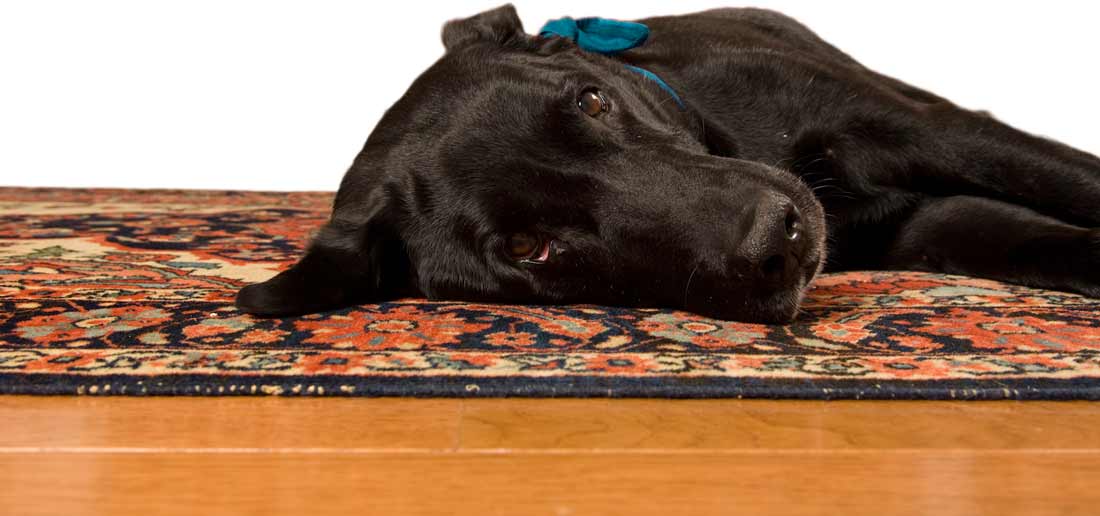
x=130 y=292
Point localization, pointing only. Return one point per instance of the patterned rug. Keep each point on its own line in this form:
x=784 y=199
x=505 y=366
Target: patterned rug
x=130 y=292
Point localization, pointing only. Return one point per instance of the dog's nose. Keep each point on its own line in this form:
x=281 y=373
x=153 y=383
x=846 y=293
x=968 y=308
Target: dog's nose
x=774 y=246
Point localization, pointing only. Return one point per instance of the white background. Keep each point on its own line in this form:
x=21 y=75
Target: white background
x=281 y=95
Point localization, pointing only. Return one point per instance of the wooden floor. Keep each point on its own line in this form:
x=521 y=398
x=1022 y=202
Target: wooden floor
x=118 y=456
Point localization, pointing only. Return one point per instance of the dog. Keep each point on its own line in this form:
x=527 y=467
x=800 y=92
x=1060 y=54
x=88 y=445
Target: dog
x=717 y=167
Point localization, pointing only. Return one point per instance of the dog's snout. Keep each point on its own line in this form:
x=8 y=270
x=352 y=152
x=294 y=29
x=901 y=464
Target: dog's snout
x=774 y=246
x=771 y=248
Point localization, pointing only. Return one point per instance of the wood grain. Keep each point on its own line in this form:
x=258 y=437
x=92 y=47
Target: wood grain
x=759 y=424
x=67 y=455
x=451 y=424
x=392 y=423
x=574 y=483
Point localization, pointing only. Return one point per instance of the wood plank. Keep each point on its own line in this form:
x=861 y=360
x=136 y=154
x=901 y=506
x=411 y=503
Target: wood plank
x=697 y=483
x=71 y=455
x=435 y=424
x=182 y=422
x=763 y=424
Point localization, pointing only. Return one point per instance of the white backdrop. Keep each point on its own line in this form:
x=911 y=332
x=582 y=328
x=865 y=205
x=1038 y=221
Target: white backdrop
x=281 y=95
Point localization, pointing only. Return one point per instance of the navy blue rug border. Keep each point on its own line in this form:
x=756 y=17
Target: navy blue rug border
x=556 y=387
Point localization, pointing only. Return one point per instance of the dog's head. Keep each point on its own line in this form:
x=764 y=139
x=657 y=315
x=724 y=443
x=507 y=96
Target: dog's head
x=521 y=169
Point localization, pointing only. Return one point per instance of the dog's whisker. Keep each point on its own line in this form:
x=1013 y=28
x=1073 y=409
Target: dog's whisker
x=814 y=162
x=687 y=287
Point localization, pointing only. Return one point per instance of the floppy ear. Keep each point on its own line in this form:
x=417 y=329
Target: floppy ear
x=349 y=262
x=498 y=25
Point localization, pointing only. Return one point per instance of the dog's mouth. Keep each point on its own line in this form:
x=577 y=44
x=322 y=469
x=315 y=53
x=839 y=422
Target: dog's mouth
x=776 y=307
x=768 y=290
x=741 y=301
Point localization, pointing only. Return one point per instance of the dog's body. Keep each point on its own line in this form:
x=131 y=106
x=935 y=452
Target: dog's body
x=523 y=169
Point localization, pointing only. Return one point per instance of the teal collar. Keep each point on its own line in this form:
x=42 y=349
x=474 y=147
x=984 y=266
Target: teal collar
x=608 y=37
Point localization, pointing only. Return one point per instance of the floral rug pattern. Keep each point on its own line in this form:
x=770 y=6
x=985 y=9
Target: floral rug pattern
x=130 y=292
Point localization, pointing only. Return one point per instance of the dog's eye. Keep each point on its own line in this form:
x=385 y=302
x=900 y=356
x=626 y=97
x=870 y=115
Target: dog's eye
x=528 y=247
x=592 y=103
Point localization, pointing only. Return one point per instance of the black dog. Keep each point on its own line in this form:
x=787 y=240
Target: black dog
x=523 y=169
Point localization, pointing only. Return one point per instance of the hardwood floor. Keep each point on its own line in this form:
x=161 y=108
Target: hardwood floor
x=71 y=456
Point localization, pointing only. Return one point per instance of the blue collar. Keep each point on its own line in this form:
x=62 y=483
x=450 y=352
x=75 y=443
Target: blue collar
x=607 y=37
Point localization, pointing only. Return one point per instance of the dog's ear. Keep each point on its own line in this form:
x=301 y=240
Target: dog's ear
x=498 y=25
x=355 y=258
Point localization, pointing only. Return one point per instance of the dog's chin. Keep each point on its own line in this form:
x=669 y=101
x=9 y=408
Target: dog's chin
x=779 y=307
x=754 y=305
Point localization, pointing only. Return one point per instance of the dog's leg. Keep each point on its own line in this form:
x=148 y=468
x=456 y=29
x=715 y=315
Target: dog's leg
x=992 y=159
x=993 y=239
x=875 y=144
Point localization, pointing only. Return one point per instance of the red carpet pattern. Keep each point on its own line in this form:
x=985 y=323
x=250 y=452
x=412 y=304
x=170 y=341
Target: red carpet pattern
x=130 y=292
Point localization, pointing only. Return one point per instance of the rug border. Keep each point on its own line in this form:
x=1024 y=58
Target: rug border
x=565 y=386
